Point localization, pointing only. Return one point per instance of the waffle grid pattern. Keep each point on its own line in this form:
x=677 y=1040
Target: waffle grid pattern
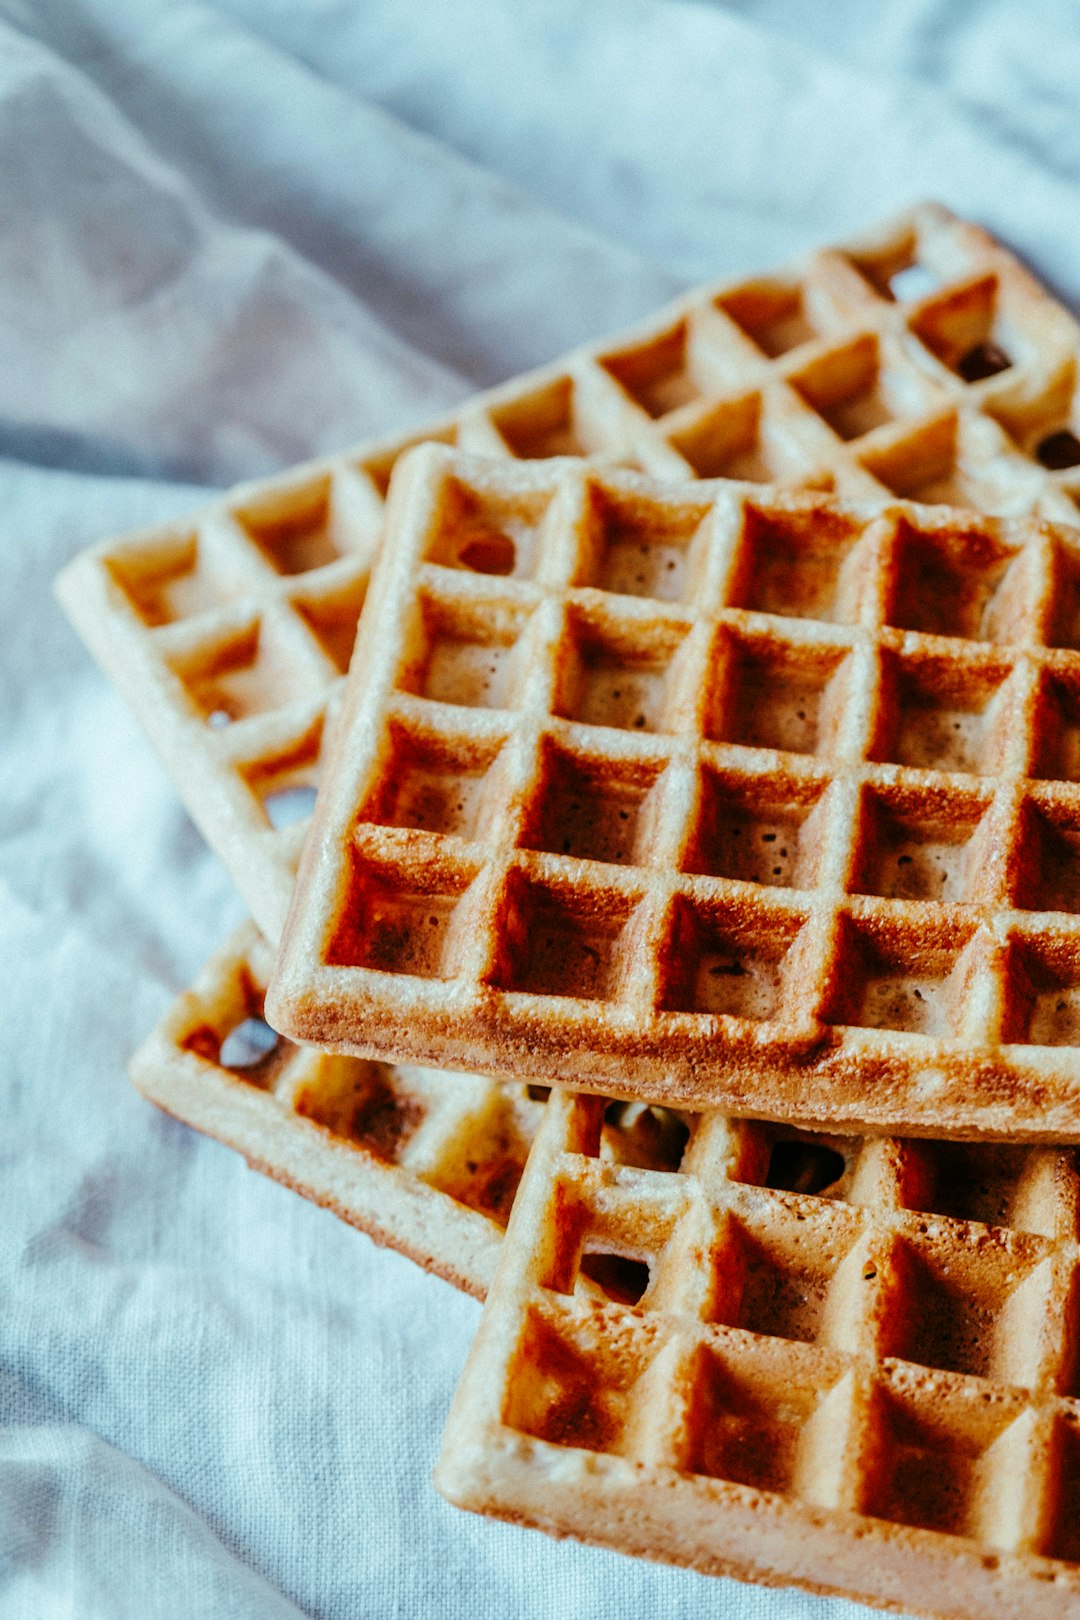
x=229 y=635
x=785 y=841
x=425 y=1162
x=847 y=1364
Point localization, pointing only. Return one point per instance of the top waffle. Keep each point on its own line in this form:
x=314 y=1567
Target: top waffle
x=229 y=634
x=715 y=796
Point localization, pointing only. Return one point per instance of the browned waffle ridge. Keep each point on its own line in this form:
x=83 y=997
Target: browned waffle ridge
x=855 y=1376
x=229 y=633
x=711 y=796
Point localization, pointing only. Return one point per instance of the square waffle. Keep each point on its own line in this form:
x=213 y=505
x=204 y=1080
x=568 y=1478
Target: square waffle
x=707 y=795
x=921 y=359
x=850 y=1367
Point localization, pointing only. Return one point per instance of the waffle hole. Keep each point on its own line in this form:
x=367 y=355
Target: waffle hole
x=1056 y=1019
x=794 y=566
x=491 y=553
x=804 y=1167
x=850 y=389
x=433 y=783
x=914 y=281
x=1058 y=450
x=891 y=978
x=620 y=674
x=332 y=620
x=917 y=868
x=492 y=1188
x=639 y=547
x=555 y=943
x=466 y=654
x=1042 y=993
x=437 y=801
x=408 y=935
x=1048 y=861
x=293 y=528
x=630 y=698
x=254 y=1052
x=967 y=1306
x=728 y=442
x=472 y=674
x=750 y=1429
x=947 y=1326
x=740 y=1435
x=287 y=806
x=896 y=272
x=740 y=834
x=994 y=1184
x=1064 y=629
x=248 y=1044
x=649 y=1138
x=622 y=1278
x=776 y=1283
x=904 y=1002
x=736 y=982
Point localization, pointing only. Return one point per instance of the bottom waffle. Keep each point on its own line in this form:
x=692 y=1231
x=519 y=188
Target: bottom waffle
x=425 y=1162
x=847 y=1366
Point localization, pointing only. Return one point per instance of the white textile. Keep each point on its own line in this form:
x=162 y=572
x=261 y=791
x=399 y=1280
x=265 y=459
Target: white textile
x=232 y=236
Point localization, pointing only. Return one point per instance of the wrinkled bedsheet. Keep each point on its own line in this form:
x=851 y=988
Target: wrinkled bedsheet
x=233 y=236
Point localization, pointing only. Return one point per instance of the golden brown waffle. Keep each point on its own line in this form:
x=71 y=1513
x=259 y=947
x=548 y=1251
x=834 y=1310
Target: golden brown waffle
x=848 y=1366
x=228 y=634
x=720 y=797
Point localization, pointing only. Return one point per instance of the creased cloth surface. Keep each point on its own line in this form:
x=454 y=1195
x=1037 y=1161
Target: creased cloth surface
x=233 y=236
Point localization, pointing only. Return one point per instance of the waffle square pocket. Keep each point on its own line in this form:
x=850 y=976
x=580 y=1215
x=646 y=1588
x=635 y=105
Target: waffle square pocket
x=746 y=845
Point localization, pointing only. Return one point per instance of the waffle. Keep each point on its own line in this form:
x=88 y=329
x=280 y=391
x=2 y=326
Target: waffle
x=791 y=832
x=848 y=1366
x=228 y=634
x=424 y=1162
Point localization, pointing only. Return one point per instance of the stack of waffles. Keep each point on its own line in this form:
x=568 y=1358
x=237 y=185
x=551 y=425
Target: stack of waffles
x=707 y=772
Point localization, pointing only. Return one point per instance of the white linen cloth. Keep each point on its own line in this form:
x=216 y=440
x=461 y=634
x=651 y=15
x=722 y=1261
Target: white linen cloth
x=232 y=236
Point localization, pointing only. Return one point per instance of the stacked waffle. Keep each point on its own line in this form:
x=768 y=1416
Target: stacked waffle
x=710 y=746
